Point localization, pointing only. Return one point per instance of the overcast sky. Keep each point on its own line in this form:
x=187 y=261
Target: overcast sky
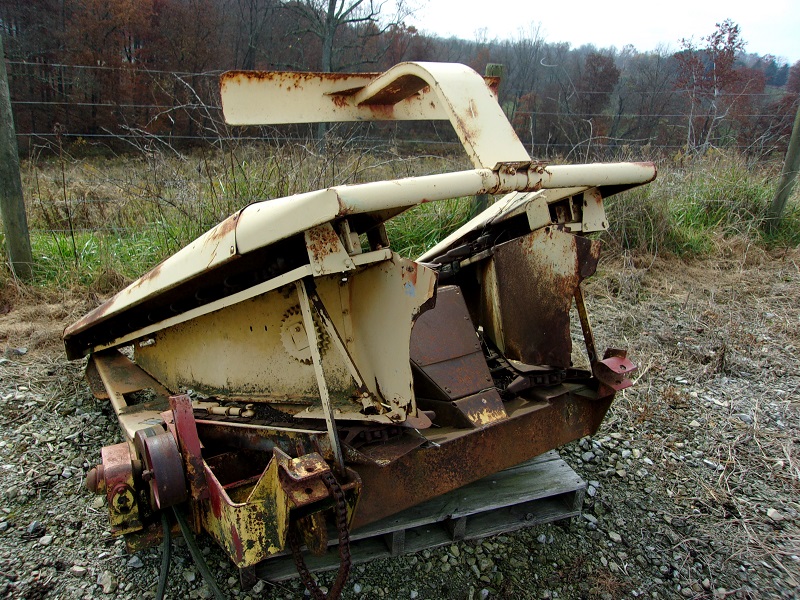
x=768 y=27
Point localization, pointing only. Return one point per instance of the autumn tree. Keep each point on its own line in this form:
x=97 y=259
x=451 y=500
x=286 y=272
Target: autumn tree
x=708 y=74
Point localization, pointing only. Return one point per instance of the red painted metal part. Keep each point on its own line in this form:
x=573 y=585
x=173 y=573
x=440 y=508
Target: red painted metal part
x=163 y=467
x=191 y=450
x=445 y=351
x=117 y=474
x=614 y=369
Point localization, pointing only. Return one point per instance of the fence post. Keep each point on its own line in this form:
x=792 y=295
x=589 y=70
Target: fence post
x=481 y=201
x=788 y=175
x=12 y=205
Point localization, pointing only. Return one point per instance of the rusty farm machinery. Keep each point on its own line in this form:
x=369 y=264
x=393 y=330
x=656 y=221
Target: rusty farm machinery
x=334 y=382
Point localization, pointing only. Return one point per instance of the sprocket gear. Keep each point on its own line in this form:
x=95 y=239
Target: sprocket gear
x=294 y=338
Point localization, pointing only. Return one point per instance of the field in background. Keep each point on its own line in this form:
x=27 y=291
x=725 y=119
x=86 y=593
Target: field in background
x=98 y=222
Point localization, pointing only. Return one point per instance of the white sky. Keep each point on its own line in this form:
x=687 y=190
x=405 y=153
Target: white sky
x=768 y=27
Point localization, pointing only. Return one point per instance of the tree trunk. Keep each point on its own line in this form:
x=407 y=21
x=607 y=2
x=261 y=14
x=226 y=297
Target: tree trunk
x=327 y=57
x=12 y=205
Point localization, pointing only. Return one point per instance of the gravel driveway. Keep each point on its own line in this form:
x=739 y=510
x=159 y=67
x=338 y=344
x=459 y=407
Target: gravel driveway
x=694 y=475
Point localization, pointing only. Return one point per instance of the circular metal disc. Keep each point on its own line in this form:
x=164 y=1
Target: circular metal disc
x=162 y=459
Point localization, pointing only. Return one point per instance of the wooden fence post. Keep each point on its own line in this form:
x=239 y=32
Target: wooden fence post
x=12 y=205
x=788 y=175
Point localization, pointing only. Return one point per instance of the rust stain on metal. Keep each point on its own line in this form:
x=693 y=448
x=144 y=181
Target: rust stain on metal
x=468 y=455
x=98 y=314
x=534 y=280
x=322 y=241
x=223 y=229
x=399 y=89
x=493 y=83
x=341 y=100
x=445 y=350
x=381 y=111
x=648 y=166
x=295 y=77
x=123 y=511
x=190 y=447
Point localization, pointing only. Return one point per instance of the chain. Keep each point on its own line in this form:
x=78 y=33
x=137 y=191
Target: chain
x=344 y=546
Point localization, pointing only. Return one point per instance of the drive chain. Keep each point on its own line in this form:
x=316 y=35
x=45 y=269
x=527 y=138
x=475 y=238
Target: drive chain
x=340 y=509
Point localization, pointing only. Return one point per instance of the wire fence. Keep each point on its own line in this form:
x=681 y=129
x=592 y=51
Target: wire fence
x=130 y=105
x=68 y=114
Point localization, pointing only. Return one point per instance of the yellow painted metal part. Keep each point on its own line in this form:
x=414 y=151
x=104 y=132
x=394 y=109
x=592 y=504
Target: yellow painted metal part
x=120 y=377
x=257 y=349
x=256 y=527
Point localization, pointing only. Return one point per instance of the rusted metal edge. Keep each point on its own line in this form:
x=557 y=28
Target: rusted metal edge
x=449 y=463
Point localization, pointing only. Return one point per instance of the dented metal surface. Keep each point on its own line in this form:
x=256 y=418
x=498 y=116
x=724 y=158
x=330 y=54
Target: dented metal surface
x=335 y=384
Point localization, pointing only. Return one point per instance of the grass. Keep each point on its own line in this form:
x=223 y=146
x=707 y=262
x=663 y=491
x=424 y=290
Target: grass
x=689 y=210
x=98 y=222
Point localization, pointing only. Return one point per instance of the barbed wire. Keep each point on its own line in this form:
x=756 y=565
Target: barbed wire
x=143 y=69
x=198 y=106
x=133 y=68
x=371 y=141
x=112 y=104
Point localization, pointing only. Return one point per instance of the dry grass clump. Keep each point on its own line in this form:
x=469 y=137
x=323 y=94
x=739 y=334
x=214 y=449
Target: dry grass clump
x=100 y=221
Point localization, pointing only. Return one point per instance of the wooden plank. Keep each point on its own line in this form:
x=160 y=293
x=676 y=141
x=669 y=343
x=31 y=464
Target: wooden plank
x=541 y=490
x=396 y=542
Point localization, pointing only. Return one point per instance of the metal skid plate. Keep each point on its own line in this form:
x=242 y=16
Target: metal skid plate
x=446 y=350
x=454 y=458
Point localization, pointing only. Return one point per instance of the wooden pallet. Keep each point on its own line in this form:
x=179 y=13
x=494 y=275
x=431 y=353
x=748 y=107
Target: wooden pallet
x=541 y=490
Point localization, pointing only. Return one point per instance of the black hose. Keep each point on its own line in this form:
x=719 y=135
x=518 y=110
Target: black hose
x=197 y=556
x=166 y=557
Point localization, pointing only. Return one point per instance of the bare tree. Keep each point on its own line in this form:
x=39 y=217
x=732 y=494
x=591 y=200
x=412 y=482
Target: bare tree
x=342 y=26
x=251 y=31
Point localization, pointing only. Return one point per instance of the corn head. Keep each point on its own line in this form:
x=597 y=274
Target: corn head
x=334 y=382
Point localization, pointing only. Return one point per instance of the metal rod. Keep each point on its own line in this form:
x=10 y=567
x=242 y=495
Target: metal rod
x=588 y=336
x=337 y=340
x=313 y=344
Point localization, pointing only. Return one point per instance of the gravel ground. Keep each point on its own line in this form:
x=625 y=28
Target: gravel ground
x=694 y=474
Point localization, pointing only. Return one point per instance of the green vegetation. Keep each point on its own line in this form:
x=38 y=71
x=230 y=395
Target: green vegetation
x=689 y=209
x=99 y=222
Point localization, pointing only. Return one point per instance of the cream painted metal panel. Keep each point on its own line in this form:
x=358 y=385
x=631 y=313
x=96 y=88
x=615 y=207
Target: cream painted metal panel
x=245 y=350
x=479 y=122
x=264 y=223
x=211 y=249
x=251 y=349
x=508 y=206
x=267 y=222
x=410 y=90
x=280 y=97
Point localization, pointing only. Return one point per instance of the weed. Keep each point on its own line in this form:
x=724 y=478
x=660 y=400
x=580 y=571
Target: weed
x=100 y=221
x=688 y=209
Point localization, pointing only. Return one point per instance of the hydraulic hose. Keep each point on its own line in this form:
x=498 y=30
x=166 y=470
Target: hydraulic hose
x=197 y=556
x=166 y=557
